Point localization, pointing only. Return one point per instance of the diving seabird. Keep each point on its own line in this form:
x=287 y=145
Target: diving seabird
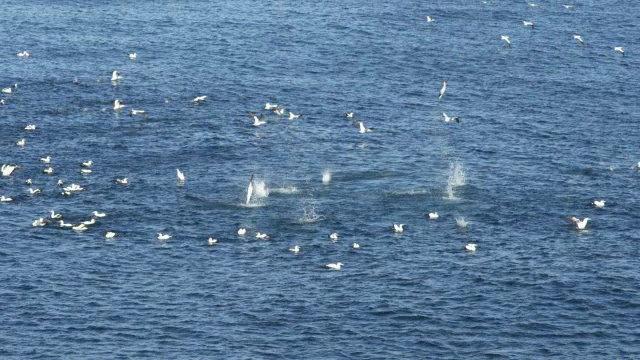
x=180 y=175
x=506 y=38
x=444 y=88
x=199 y=99
x=362 y=129
x=579 y=38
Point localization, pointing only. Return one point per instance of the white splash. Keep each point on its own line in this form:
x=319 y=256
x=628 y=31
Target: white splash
x=256 y=191
x=461 y=222
x=260 y=189
x=285 y=190
x=456 y=178
x=326 y=177
x=310 y=214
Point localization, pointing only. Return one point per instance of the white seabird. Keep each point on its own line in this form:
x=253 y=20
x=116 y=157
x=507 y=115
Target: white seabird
x=55 y=216
x=28 y=182
x=162 y=236
x=73 y=187
x=470 y=247
x=242 y=231
x=261 y=236
x=98 y=214
x=30 y=127
x=619 y=49
x=40 y=222
x=80 y=227
x=452 y=118
x=293 y=116
x=89 y=222
x=48 y=170
x=60 y=183
x=268 y=106
x=180 y=175
x=117 y=106
x=212 y=241
x=278 y=111
x=355 y=246
x=429 y=19
x=5 y=199
x=87 y=163
x=85 y=171
x=21 y=142
x=362 y=128
x=295 y=249
x=349 y=115
x=133 y=56
x=506 y=38
x=122 y=181
x=256 y=120
x=115 y=76
x=7 y=169
x=580 y=224
x=398 y=228
x=336 y=266
x=433 y=215
x=579 y=38
x=24 y=54
x=64 y=224
x=598 y=203
x=443 y=89
x=333 y=236
x=110 y=235
x=133 y=112
x=199 y=99
x=568 y=7
x=528 y=23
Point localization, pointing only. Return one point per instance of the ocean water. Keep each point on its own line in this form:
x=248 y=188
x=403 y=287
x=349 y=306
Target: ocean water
x=547 y=127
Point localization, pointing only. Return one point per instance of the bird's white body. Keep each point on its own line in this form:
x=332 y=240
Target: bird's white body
x=133 y=56
x=180 y=175
x=98 y=214
x=46 y=160
x=23 y=54
x=5 y=199
x=80 y=227
x=85 y=171
x=115 y=76
x=117 y=106
x=48 y=170
x=443 y=89
x=580 y=224
x=362 y=128
x=7 y=170
x=122 y=181
x=355 y=246
x=162 y=236
x=579 y=38
x=30 y=127
x=110 y=235
x=470 y=247
x=89 y=222
x=336 y=266
x=34 y=191
x=242 y=231
x=21 y=142
x=450 y=118
x=268 y=106
x=87 y=163
x=619 y=49
x=398 y=228
x=64 y=224
x=293 y=116
x=528 y=23
x=73 y=187
x=39 y=222
x=295 y=249
x=199 y=99
x=598 y=203
x=429 y=19
x=506 y=39
x=433 y=215
x=212 y=241
x=55 y=216
x=261 y=236
x=333 y=236
x=256 y=120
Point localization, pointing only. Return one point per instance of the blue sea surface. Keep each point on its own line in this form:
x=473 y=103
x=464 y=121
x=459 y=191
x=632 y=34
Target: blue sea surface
x=547 y=126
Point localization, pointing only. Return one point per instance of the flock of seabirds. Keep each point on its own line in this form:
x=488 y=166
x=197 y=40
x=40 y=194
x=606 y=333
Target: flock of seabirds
x=8 y=170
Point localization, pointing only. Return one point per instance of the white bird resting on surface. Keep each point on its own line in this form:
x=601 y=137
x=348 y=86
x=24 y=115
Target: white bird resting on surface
x=55 y=216
x=40 y=222
x=34 y=191
x=470 y=247
x=98 y=214
x=21 y=142
x=242 y=231
x=46 y=160
x=295 y=249
x=162 y=236
x=110 y=235
x=333 y=236
x=619 y=49
x=89 y=222
x=398 y=228
x=450 y=118
x=60 y=183
x=117 y=106
x=5 y=199
x=7 y=169
x=261 y=236
x=64 y=224
x=598 y=203
x=24 y=54
x=4 y=103
x=80 y=227
x=85 y=171
x=349 y=115
x=87 y=163
x=180 y=175
x=268 y=106
x=433 y=215
x=256 y=120
x=73 y=187
x=429 y=19
x=115 y=76
x=122 y=181
x=48 y=170
x=212 y=241
x=355 y=246
x=199 y=99
x=580 y=224
x=506 y=38
x=30 y=127
x=133 y=56
x=527 y=23
x=362 y=129
x=336 y=266
x=9 y=90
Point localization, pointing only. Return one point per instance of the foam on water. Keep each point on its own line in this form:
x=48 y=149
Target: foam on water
x=285 y=190
x=455 y=179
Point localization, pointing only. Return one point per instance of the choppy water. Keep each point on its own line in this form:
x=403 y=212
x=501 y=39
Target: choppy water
x=547 y=127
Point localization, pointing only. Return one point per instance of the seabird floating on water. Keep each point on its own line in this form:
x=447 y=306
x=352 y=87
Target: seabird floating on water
x=80 y=228
x=5 y=199
x=98 y=214
x=122 y=181
x=199 y=99
x=433 y=215
x=293 y=116
x=212 y=241
x=619 y=49
x=398 y=228
x=133 y=56
x=242 y=231
x=580 y=224
x=528 y=23
x=7 y=169
x=333 y=236
x=60 y=183
x=46 y=160
x=73 y=187
x=87 y=163
x=568 y=7
x=48 y=170
x=470 y=247
x=295 y=249
x=21 y=142
x=55 y=216
x=64 y=224
x=162 y=236
x=30 y=127
x=429 y=19
x=133 y=112
x=355 y=246
x=110 y=235
x=117 y=106
x=448 y=119
x=598 y=203
x=115 y=76
x=261 y=236
x=23 y=54
x=336 y=266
